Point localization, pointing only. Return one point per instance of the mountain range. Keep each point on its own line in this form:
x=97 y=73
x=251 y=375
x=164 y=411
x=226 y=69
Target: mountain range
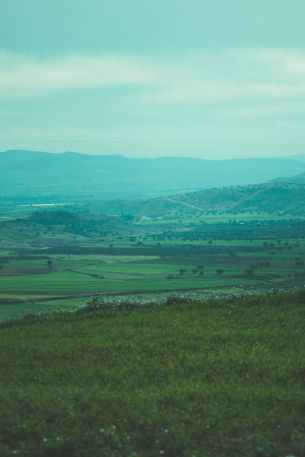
x=69 y=175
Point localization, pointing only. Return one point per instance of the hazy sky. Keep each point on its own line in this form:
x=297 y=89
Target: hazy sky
x=205 y=78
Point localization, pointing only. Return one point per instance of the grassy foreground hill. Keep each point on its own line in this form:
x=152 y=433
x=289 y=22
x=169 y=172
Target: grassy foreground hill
x=220 y=378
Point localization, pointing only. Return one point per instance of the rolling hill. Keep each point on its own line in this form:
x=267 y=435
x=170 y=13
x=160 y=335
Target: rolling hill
x=63 y=223
x=269 y=197
x=298 y=179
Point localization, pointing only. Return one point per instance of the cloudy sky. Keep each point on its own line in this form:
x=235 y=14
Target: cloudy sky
x=201 y=78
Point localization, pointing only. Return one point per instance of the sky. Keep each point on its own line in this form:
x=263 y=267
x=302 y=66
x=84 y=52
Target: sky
x=194 y=78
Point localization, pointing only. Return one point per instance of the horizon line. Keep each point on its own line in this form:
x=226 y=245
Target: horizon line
x=128 y=157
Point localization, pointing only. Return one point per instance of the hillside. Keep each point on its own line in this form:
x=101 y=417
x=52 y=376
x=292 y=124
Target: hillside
x=70 y=176
x=213 y=378
x=263 y=198
x=62 y=223
x=270 y=197
x=298 y=179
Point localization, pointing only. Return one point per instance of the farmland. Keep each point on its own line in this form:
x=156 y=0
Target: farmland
x=52 y=260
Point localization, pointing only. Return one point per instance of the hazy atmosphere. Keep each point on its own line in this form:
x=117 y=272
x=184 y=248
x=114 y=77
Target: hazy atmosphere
x=152 y=228
x=210 y=79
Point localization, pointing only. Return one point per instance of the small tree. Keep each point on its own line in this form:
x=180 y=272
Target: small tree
x=249 y=272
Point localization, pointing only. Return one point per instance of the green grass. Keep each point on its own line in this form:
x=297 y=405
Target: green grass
x=215 y=378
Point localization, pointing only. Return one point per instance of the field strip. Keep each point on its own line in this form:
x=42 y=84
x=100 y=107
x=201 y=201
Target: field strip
x=7 y=301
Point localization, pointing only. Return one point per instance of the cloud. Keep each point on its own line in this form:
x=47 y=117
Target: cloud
x=207 y=91
x=221 y=102
x=232 y=74
x=189 y=78
x=27 y=76
x=266 y=111
x=282 y=63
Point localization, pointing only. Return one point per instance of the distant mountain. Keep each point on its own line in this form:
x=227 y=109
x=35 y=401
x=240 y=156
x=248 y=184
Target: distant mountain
x=300 y=157
x=270 y=197
x=69 y=175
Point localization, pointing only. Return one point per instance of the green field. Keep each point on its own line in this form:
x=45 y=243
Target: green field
x=218 y=378
x=43 y=267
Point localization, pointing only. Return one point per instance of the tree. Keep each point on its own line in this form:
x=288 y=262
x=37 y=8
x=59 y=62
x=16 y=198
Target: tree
x=249 y=272
x=50 y=264
x=127 y=217
x=219 y=271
